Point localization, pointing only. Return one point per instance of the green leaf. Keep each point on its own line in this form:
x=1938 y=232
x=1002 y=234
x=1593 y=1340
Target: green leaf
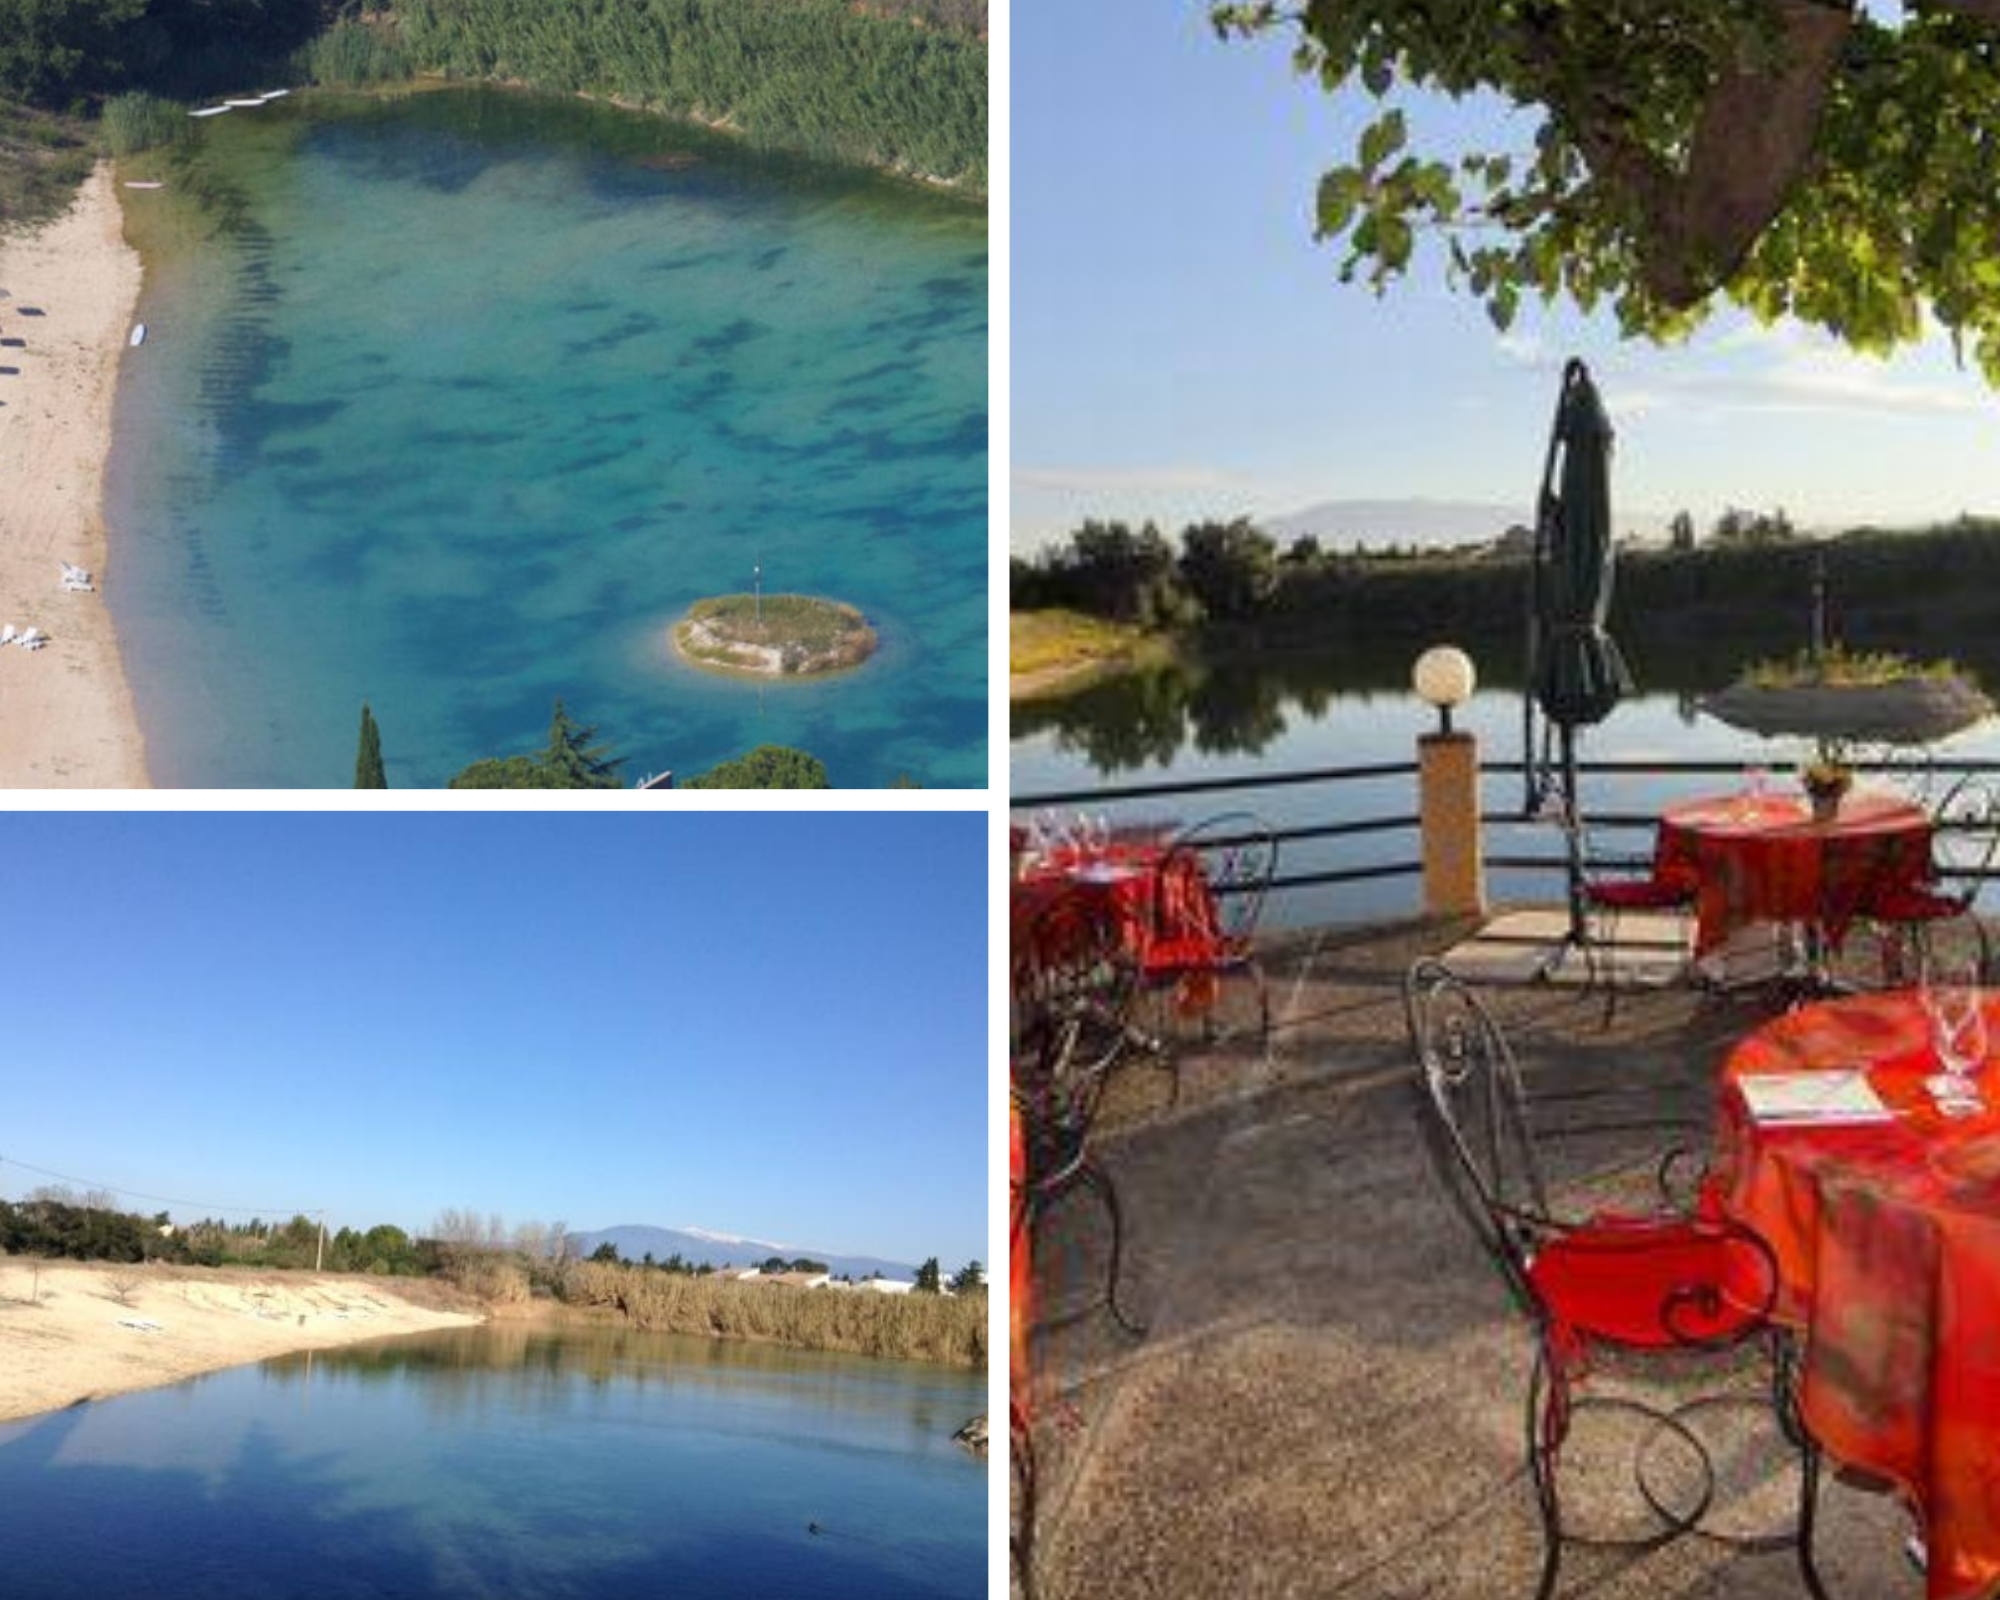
x=1381 y=139
x=1340 y=191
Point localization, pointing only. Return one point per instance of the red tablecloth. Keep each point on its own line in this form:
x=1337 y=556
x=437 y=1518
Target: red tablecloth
x=1765 y=859
x=1119 y=885
x=1888 y=1245
x=1020 y=1282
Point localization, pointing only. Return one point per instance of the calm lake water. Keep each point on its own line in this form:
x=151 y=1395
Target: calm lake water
x=1249 y=718
x=454 y=402
x=496 y=1462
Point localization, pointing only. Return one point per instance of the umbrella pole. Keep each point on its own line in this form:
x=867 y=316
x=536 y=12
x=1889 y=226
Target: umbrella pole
x=1573 y=836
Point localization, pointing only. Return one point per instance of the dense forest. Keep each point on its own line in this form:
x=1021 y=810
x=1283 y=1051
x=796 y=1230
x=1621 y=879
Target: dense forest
x=897 y=84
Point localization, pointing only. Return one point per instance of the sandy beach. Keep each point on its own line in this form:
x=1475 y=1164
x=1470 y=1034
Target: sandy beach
x=66 y=1335
x=66 y=714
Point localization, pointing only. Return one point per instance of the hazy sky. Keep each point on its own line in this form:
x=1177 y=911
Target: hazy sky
x=1181 y=346
x=770 y=1024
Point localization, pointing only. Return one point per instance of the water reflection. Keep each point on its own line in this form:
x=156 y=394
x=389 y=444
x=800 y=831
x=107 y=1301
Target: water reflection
x=509 y=1460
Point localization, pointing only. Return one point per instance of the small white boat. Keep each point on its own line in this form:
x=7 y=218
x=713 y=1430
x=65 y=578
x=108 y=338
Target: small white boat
x=151 y=183
x=209 y=111
x=138 y=334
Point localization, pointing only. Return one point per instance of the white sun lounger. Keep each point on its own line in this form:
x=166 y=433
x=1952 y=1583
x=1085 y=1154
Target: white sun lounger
x=7 y=634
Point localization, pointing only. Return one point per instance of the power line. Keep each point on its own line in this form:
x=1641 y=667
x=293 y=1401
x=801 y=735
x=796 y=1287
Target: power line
x=166 y=1200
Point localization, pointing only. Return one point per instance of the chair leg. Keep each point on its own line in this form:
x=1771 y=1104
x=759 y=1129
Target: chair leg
x=1097 y=1180
x=1547 y=1421
x=1785 y=1396
x=1610 y=968
x=1809 y=1467
x=1021 y=1454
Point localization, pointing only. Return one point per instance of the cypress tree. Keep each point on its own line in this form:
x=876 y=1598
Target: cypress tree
x=368 y=760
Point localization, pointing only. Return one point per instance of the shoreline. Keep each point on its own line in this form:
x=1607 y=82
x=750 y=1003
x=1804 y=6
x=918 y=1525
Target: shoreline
x=67 y=717
x=71 y=1343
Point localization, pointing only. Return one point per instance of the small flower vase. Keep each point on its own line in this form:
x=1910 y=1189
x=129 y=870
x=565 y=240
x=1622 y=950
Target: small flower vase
x=1826 y=789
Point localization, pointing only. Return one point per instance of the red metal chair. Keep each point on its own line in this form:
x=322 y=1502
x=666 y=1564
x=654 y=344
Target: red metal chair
x=1909 y=915
x=1618 y=887
x=1674 y=1281
x=1208 y=897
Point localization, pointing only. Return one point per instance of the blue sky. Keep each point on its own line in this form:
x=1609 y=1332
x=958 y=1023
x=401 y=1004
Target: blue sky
x=1182 y=347
x=770 y=1024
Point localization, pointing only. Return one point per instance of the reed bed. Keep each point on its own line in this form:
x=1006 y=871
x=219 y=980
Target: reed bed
x=949 y=1330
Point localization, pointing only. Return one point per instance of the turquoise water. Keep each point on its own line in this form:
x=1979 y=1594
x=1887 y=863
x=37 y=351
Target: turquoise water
x=495 y=1462
x=453 y=403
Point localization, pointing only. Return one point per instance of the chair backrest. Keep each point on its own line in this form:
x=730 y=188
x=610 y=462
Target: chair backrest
x=1075 y=986
x=1474 y=1114
x=1967 y=839
x=1237 y=854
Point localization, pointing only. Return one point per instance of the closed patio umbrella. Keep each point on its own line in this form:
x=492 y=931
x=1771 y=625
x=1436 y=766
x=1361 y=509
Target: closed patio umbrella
x=1576 y=674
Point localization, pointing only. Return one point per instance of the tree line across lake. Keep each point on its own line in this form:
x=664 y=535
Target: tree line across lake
x=1230 y=586
x=502 y=1267
x=899 y=84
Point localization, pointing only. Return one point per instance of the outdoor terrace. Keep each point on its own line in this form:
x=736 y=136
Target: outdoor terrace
x=1329 y=1396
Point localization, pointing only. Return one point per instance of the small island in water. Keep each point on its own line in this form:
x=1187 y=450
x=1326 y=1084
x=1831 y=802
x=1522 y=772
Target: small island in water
x=775 y=636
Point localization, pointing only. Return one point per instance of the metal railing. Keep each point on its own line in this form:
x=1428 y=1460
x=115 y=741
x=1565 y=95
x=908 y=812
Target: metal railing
x=1609 y=821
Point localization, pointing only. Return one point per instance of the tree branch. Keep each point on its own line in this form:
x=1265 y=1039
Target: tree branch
x=1986 y=11
x=1753 y=141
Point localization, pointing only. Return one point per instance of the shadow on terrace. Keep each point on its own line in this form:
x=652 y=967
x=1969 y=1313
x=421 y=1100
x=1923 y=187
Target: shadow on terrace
x=1328 y=1399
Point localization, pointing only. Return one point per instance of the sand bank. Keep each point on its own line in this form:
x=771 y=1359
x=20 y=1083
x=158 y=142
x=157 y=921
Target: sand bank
x=71 y=1340
x=66 y=715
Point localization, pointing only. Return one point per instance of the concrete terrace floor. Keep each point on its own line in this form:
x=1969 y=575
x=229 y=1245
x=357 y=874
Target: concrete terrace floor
x=1329 y=1397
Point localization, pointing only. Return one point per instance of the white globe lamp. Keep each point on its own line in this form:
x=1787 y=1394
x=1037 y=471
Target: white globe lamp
x=1444 y=677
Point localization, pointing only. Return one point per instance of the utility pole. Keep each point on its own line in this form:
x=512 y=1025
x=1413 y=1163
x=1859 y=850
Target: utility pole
x=757 y=577
x=319 y=1255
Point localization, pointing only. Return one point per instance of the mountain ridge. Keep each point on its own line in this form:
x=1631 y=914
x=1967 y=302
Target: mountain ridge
x=634 y=1240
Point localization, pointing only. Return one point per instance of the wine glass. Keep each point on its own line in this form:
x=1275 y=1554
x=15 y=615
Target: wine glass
x=1756 y=781
x=1957 y=1008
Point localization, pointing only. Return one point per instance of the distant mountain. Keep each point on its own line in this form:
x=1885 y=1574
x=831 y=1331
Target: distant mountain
x=1431 y=524
x=696 y=1245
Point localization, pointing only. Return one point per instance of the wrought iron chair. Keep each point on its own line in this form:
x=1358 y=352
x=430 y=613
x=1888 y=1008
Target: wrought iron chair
x=1021 y=1459
x=1908 y=916
x=1622 y=885
x=1080 y=981
x=1678 y=1281
x=1202 y=938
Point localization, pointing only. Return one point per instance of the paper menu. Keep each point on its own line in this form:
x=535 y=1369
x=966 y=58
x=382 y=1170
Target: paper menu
x=1781 y=1099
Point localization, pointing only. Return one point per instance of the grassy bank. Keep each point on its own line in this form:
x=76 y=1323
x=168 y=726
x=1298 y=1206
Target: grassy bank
x=1055 y=652
x=43 y=159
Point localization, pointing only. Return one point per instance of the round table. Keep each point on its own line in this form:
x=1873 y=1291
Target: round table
x=1887 y=1237
x=1765 y=858
x=1119 y=886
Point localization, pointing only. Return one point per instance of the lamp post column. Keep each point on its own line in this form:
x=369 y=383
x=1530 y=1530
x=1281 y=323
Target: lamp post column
x=1448 y=790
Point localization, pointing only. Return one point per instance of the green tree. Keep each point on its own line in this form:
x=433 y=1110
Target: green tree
x=573 y=757
x=1811 y=158
x=607 y=1253
x=769 y=766
x=927 y=1277
x=1680 y=535
x=368 y=772
x=570 y=760
x=1230 y=567
x=54 y=50
x=969 y=1279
